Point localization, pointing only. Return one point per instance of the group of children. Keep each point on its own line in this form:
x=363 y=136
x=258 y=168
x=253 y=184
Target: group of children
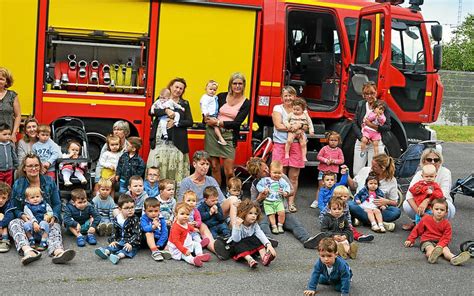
x=338 y=234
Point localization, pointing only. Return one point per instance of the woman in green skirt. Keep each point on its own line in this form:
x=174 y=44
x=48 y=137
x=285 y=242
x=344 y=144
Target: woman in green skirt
x=233 y=109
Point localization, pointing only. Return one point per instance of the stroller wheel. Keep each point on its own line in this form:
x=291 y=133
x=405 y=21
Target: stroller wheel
x=467 y=246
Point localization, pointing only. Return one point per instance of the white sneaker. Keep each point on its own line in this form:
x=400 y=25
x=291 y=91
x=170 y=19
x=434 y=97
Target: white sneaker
x=314 y=204
x=375 y=228
x=67 y=183
x=390 y=226
x=356 y=222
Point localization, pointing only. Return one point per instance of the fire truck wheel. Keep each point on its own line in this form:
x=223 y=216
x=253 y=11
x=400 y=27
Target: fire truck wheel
x=392 y=145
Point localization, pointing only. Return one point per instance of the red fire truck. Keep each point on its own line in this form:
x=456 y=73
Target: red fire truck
x=107 y=60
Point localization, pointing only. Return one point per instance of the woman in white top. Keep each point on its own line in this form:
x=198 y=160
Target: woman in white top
x=384 y=167
x=294 y=163
x=443 y=178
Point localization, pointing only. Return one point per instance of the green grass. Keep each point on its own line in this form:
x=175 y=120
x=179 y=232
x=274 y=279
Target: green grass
x=454 y=133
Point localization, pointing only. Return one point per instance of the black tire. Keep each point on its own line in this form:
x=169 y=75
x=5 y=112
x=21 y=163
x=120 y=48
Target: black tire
x=392 y=145
x=467 y=246
x=348 y=149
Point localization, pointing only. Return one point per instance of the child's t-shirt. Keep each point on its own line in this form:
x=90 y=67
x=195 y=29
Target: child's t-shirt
x=47 y=152
x=167 y=208
x=209 y=105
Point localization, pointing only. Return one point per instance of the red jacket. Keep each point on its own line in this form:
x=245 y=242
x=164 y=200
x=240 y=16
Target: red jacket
x=419 y=191
x=178 y=236
x=430 y=230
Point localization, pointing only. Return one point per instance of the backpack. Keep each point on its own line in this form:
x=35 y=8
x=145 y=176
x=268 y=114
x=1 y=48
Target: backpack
x=407 y=164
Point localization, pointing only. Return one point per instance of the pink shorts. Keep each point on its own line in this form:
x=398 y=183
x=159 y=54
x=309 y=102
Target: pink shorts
x=371 y=134
x=296 y=157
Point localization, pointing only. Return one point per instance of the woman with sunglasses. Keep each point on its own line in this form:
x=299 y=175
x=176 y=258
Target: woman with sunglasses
x=30 y=177
x=443 y=178
x=369 y=93
x=233 y=109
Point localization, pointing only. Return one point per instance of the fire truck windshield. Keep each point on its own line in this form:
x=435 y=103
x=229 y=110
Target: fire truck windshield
x=407 y=48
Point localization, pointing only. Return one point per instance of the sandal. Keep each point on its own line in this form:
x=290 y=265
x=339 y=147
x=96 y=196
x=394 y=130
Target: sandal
x=267 y=258
x=252 y=264
x=292 y=208
x=27 y=259
x=64 y=257
x=408 y=226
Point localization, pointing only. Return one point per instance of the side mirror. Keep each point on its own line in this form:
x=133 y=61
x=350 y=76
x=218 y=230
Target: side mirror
x=437 y=32
x=437 y=56
x=399 y=26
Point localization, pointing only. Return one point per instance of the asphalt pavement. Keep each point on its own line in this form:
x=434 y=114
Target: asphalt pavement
x=383 y=267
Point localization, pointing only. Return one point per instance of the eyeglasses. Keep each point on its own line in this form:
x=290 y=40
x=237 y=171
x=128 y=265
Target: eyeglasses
x=432 y=160
x=237 y=83
x=200 y=154
x=32 y=166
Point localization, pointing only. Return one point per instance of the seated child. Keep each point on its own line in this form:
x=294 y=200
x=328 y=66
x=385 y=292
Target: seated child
x=73 y=168
x=167 y=201
x=329 y=181
x=105 y=206
x=366 y=196
x=190 y=198
x=6 y=215
x=47 y=150
x=109 y=159
x=210 y=107
x=330 y=269
x=80 y=217
x=247 y=238
x=343 y=192
x=155 y=230
x=126 y=235
x=377 y=117
x=39 y=215
x=276 y=189
x=180 y=243
x=165 y=102
x=151 y=183
x=335 y=225
x=330 y=157
x=8 y=156
x=296 y=123
x=130 y=164
x=234 y=188
x=211 y=213
x=135 y=190
x=426 y=189
x=436 y=232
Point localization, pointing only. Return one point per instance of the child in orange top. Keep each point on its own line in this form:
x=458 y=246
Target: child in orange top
x=180 y=243
x=435 y=232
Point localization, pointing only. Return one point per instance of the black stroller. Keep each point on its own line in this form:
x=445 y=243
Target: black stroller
x=64 y=130
x=466 y=187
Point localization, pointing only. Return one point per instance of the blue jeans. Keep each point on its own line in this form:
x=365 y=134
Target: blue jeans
x=123 y=186
x=220 y=230
x=120 y=249
x=326 y=281
x=390 y=214
x=291 y=224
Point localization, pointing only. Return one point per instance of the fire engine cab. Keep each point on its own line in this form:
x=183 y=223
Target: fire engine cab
x=107 y=60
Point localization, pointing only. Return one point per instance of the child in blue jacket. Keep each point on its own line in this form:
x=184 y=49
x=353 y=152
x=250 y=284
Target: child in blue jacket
x=329 y=181
x=154 y=227
x=6 y=215
x=211 y=213
x=330 y=269
x=81 y=217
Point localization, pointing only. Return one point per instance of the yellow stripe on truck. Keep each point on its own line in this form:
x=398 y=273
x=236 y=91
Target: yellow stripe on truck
x=93 y=102
x=18 y=48
x=201 y=42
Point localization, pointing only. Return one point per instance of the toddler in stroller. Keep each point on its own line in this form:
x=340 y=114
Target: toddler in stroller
x=70 y=134
x=68 y=168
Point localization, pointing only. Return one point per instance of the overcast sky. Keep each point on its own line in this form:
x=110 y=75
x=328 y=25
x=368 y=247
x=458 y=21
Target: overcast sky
x=446 y=12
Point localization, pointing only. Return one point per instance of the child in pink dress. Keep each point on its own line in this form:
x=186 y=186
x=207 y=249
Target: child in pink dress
x=369 y=134
x=330 y=157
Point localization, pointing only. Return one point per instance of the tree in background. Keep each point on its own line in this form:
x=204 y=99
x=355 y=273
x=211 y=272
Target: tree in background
x=458 y=54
